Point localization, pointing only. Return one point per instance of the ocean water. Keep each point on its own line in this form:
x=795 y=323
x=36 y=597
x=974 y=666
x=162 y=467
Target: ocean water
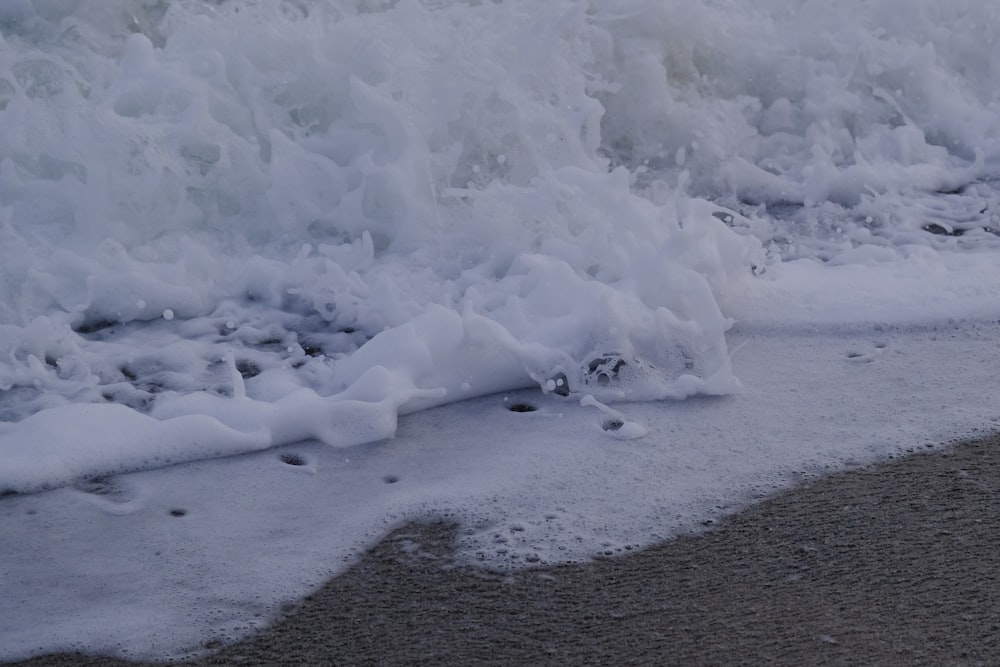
x=577 y=274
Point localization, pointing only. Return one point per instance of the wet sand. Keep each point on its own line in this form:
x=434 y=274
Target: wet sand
x=897 y=564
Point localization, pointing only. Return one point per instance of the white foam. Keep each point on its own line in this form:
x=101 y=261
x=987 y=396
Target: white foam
x=193 y=170
x=227 y=227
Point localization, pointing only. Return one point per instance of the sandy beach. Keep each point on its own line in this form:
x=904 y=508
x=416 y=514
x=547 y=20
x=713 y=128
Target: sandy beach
x=897 y=564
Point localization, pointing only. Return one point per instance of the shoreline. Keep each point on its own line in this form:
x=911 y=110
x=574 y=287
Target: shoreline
x=895 y=563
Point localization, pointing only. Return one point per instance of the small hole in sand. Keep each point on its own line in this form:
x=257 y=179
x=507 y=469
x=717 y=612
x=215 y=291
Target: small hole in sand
x=612 y=424
x=293 y=459
x=521 y=407
x=390 y=479
x=177 y=512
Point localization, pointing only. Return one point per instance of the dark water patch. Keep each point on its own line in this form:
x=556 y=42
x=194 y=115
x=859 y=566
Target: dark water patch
x=107 y=488
x=560 y=384
x=94 y=326
x=941 y=230
x=604 y=369
x=99 y=486
x=247 y=368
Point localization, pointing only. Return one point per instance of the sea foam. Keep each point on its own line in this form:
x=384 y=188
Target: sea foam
x=227 y=227
x=308 y=194
x=247 y=212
